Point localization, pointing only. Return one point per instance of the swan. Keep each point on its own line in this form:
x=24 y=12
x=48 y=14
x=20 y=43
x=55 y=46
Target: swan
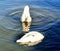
x=31 y=38
x=26 y=19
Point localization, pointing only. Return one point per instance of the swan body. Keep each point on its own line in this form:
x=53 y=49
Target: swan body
x=26 y=14
x=32 y=38
x=26 y=19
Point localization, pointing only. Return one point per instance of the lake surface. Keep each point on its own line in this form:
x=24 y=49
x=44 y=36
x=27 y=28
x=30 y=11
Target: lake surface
x=45 y=19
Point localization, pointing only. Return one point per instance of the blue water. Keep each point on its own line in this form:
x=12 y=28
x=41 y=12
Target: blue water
x=45 y=19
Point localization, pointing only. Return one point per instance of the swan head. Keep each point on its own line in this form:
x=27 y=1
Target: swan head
x=26 y=8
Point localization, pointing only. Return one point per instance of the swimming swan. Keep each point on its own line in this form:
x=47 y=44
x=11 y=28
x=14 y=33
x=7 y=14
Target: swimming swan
x=32 y=38
x=26 y=19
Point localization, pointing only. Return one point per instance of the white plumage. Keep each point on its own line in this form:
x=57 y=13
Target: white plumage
x=31 y=38
x=26 y=14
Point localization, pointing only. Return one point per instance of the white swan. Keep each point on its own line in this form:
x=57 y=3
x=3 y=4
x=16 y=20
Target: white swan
x=31 y=38
x=26 y=19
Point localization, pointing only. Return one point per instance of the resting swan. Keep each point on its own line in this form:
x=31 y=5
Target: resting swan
x=26 y=19
x=32 y=38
